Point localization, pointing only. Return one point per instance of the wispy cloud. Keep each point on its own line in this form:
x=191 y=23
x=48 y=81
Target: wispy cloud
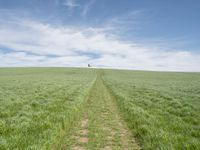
x=70 y=4
x=87 y=7
x=37 y=44
x=125 y=22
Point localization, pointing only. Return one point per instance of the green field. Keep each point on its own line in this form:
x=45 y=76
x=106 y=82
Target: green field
x=162 y=109
x=37 y=103
x=68 y=108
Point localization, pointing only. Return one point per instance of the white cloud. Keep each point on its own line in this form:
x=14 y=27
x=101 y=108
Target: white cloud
x=37 y=44
x=15 y=59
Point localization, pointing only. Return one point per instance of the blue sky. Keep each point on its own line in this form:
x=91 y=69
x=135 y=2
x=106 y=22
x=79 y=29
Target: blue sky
x=129 y=34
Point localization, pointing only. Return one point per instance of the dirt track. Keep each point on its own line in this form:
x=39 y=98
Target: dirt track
x=100 y=126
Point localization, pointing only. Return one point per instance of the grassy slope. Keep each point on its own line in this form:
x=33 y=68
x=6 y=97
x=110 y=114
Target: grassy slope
x=162 y=109
x=36 y=103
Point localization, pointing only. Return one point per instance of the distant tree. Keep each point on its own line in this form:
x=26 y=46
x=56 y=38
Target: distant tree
x=89 y=65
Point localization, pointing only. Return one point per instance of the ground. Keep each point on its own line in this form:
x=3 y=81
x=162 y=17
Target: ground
x=100 y=125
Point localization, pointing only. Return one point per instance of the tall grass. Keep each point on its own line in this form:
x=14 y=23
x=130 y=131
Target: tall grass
x=36 y=103
x=161 y=109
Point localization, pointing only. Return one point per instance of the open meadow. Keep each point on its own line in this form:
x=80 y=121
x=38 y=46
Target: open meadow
x=36 y=103
x=71 y=108
x=161 y=108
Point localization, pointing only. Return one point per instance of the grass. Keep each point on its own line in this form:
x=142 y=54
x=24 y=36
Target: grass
x=44 y=108
x=37 y=103
x=161 y=109
x=100 y=125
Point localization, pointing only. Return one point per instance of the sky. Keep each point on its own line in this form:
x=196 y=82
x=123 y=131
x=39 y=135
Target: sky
x=154 y=35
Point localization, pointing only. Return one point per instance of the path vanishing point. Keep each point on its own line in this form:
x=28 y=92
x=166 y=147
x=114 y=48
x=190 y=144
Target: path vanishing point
x=100 y=126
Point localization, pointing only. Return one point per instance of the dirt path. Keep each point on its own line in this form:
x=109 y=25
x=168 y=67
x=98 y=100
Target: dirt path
x=101 y=127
